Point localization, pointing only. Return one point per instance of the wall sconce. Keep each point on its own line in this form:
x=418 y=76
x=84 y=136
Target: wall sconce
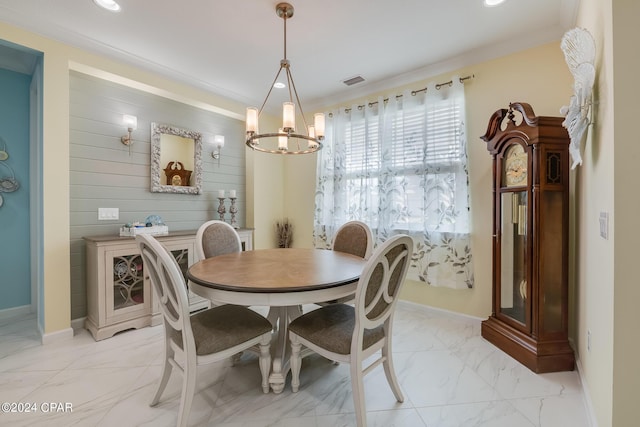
x=131 y=122
x=218 y=143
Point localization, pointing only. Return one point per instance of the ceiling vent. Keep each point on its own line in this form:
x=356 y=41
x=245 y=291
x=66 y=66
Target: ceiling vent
x=353 y=80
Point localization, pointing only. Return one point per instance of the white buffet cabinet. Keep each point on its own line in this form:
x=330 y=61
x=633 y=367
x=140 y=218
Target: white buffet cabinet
x=119 y=295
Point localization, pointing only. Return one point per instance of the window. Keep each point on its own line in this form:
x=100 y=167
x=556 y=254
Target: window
x=398 y=165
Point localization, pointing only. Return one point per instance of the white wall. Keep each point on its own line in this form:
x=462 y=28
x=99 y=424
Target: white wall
x=626 y=375
x=594 y=192
x=606 y=278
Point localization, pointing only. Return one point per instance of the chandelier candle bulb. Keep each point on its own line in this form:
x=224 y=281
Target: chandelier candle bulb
x=312 y=134
x=282 y=140
x=318 y=122
x=288 y=116
x=252 y=120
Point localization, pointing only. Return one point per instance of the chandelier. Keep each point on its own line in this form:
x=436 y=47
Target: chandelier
x=288 y=140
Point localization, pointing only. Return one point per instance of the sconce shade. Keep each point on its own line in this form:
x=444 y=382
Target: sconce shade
x=131 y=122
x=218 y=141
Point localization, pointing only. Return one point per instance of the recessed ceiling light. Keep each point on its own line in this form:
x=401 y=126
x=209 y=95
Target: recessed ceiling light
x=279 y=85
x=110 y=5
x=491 y=3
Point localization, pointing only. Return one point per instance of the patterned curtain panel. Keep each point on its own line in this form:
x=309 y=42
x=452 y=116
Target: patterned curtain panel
x=400 y=166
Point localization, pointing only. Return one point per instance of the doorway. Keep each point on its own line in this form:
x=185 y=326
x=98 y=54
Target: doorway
x=21 y=234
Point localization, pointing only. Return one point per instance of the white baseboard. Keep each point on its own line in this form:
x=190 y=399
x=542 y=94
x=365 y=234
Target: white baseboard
x=9 y=313
x=57 y=336
x=77 y=324
x=591 y=415
x=441 y=310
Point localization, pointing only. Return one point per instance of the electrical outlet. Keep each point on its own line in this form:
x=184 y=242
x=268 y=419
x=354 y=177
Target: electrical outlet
x=108 y=214
x=589 y=340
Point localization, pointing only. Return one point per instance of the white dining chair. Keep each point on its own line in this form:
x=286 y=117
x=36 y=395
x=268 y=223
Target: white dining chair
x=208 y=336
x=355 y=238
x=215 y=238
x=351 y=334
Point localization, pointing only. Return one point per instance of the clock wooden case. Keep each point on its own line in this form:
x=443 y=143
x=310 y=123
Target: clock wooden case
x=177 y=175
x=529 y=318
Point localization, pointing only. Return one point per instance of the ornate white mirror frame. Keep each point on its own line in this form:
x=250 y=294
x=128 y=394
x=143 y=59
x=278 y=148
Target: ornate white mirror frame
x=160 y=136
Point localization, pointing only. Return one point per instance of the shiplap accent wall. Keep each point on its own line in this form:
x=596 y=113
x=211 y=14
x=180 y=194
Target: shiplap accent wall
x=104 y=175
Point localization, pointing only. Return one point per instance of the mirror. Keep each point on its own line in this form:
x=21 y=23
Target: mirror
x=176 y=160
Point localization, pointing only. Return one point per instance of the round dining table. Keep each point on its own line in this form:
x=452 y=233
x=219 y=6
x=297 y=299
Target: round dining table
x=282 y=279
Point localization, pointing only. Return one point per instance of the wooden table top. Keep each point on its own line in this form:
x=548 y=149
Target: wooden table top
x=277 y=270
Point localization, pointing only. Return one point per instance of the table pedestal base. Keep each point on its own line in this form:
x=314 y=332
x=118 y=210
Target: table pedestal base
x=280 y=347
x=268 y=278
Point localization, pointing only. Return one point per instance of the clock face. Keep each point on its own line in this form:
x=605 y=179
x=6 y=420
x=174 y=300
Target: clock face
x=176 y=180
x=515 y=166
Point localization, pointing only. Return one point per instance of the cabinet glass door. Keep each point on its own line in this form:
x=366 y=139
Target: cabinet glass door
x=182 y=258
x=513 y=261
x=183 y=252
x=127 y=294
x=128 y=281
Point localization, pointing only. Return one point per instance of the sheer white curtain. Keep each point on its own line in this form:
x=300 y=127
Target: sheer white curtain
x=400 y=165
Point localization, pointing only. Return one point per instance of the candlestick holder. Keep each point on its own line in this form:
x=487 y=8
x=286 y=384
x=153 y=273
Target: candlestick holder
x=221 y=209
x=233 y=210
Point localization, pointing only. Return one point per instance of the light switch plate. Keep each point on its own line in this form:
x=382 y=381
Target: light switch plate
x=604 y=225
x=108 y=214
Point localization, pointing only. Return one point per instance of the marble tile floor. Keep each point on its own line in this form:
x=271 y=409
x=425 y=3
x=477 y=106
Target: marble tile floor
x=450 y=377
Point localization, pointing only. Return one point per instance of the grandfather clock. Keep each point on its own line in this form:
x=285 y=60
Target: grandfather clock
x=529 y=319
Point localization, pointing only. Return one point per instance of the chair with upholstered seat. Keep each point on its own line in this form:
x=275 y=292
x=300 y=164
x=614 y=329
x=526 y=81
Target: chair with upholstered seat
x=208 y=336
x=355 y=238
x=215 y=238
x=351 y=334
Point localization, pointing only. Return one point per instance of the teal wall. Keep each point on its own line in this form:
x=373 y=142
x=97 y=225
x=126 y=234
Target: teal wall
x=15 y=275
